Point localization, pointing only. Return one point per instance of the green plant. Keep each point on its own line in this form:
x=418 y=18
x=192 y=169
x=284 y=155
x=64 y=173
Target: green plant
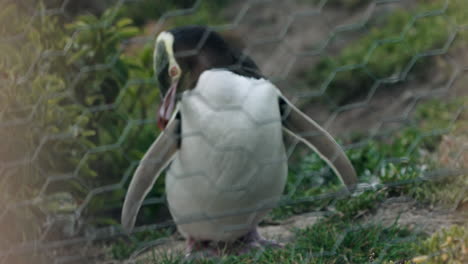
x=206 y=12
x=34 y=101
x=348 y=4
x=40 y=122
x=446 y=246
x=394 y=166
x=87 y=114
x=378 y=162
x=438 y=119
x=120 y=96
x=388 y=51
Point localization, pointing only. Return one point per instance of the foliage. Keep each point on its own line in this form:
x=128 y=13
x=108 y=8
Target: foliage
x=442 y=118
x=87 y=114
x=434 y=118
x=446 y=246
x=347 y=4
x=392 y=167
x=451 y=246
x=40 y=121
x=376 y=162
x=206 y=13
x=437 y=117
x=35 y=102
x=388 y=52
x=119 y=95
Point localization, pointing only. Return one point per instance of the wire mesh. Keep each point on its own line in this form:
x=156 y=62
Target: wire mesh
x=78 y=112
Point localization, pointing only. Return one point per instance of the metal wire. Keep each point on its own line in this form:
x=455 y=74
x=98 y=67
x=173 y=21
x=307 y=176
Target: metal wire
x=77 y=243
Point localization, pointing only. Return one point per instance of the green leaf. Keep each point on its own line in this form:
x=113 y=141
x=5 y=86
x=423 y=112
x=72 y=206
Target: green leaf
x=124 y=22
x=77 y=55
x=128 y=32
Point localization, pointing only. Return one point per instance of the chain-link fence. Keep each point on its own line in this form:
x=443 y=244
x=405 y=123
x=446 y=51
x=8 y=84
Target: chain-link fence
x=386 y=78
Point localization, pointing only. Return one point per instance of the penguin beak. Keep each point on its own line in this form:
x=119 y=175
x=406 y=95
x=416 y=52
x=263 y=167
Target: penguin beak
x=167 y=106
x=168 y=74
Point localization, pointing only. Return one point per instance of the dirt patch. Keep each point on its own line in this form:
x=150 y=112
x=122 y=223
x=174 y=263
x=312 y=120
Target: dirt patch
x=407 y=212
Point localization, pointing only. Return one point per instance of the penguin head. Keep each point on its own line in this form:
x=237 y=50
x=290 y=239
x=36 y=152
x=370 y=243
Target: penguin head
x=182 y=54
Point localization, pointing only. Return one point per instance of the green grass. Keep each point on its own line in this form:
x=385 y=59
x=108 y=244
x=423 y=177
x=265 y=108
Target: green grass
x=207 y=12
x=387 y=52
x=123 y=248
x=395 y=166
x=348 y=4
x=375 y=162
x=328 y=241
x=450 y=245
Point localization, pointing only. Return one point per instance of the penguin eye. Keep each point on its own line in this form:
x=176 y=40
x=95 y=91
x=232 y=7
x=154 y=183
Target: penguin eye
x=174 y=71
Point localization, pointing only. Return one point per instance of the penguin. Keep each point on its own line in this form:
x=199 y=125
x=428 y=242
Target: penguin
x=224 y=127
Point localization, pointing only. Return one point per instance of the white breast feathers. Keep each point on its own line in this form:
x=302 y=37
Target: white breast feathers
x=231 y=167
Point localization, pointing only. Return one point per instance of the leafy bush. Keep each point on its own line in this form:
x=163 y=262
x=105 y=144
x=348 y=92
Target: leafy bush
x=43 y=129
x=37 y=115
x=119 y=94
x=84 y=117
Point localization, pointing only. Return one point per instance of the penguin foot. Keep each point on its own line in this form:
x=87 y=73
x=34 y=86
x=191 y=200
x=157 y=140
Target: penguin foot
x=200 y=249
x=254 y=241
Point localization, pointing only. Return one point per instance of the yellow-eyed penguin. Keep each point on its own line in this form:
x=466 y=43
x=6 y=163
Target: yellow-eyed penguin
x=222 y=142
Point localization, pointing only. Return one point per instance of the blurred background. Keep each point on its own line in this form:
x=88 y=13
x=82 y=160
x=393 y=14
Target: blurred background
x=387 y=78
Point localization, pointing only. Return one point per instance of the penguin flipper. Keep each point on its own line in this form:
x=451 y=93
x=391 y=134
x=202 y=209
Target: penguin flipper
x=155 y=160
x=315 y=137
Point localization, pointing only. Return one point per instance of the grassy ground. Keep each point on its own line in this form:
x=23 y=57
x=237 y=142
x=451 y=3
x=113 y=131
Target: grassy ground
x=330 y=241
x=397 y=46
